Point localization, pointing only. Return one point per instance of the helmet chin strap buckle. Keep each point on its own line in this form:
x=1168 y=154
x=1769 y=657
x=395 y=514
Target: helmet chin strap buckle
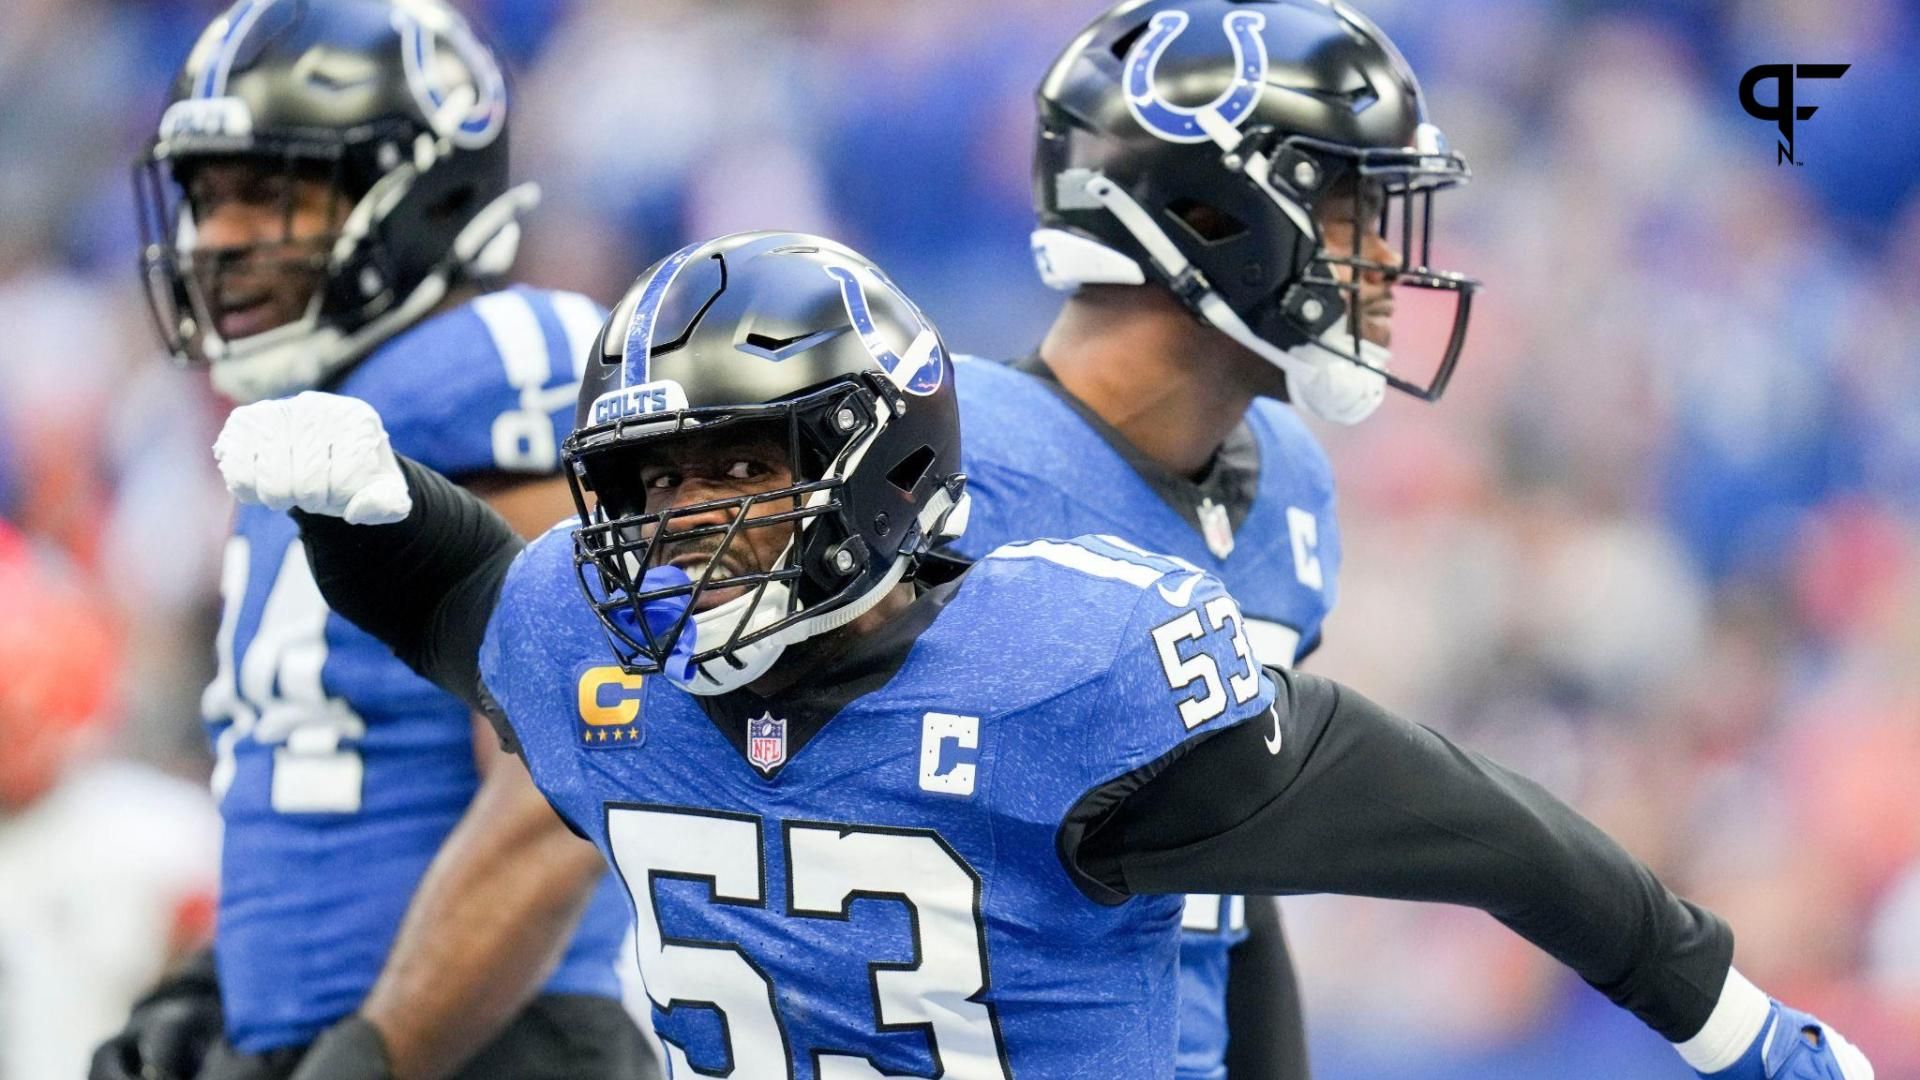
x=945 y=517
x=1191 y=286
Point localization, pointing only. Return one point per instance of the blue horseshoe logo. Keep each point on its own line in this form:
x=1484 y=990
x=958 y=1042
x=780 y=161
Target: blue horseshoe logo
x=921 y=381
x=426 y=27
x=1180 y=123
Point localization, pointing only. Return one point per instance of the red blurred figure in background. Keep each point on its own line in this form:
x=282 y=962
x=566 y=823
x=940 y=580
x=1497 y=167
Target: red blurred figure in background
x=108 y=868
x=56 y=674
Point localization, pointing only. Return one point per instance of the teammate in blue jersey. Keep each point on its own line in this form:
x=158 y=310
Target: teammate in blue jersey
x=1219 y=247
x=1041 y=462
x=328 y=205
x=877 y=822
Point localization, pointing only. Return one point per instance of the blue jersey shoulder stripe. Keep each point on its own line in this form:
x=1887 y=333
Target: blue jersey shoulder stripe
x=580 y=319
x=518 y=337
x=1153 y=558
x=1098 y=556
x=559 y=351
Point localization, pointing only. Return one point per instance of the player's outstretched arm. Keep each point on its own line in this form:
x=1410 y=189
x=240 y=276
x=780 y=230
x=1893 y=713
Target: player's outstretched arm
x=1331 y=793
x=396 y=548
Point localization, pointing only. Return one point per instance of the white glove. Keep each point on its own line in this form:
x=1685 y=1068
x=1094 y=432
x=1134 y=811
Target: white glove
x=323 y=453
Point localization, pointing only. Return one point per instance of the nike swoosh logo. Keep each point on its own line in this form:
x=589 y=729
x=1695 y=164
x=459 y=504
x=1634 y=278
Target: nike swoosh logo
x=1273 y=740
x=1179 y=595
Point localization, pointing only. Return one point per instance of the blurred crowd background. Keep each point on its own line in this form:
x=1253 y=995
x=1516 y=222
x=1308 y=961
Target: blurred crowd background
x=1659 y=546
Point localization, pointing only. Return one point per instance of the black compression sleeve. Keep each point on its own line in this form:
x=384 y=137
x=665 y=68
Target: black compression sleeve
x=424 y=586
x=1361 y=802
x=1267 y=1038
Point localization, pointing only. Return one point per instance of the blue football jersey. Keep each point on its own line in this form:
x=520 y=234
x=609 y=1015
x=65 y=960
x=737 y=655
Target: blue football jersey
x=1038 y=466
x=339 y=771
x=893 y=896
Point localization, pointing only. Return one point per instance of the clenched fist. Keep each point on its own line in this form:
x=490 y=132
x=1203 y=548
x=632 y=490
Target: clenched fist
x=322 y=453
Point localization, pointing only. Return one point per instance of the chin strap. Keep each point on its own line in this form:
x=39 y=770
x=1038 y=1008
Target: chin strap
x=947 y=513
x=1328 y=383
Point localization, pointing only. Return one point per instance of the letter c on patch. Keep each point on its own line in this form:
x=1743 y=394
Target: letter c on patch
x=609 y=697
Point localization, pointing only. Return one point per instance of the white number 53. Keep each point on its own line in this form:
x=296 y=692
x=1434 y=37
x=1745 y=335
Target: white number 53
x=1209 y=699
x=829 y=866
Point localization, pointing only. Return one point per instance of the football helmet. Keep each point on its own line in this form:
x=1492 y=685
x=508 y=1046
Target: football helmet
x=401 y=109
x=1190 y=142
x=800 y=338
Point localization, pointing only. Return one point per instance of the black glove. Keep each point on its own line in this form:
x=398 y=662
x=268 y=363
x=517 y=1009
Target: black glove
x=349 y=1050
x=169 y=1031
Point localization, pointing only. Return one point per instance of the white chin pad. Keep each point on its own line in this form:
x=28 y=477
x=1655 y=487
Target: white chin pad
x=286 y=359
x=720 y=676
x=724 y=674
x=1323 y=381
x=1320 y=378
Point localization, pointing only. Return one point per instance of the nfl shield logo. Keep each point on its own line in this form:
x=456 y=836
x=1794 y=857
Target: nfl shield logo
x=767 y=743
x=1217 y=528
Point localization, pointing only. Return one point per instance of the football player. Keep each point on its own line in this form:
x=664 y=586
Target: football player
x=327 y=205
x=1234 y=193
x=876 y=824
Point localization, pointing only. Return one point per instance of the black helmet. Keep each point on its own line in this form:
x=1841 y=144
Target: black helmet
x=1188 y=142
x=401 y=108
x=782 y=330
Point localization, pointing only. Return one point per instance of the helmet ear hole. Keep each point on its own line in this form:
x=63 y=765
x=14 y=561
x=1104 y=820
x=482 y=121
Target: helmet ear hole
x=906 y=475
x=1205 y=222
x=456 y=204
x=1123 y=44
